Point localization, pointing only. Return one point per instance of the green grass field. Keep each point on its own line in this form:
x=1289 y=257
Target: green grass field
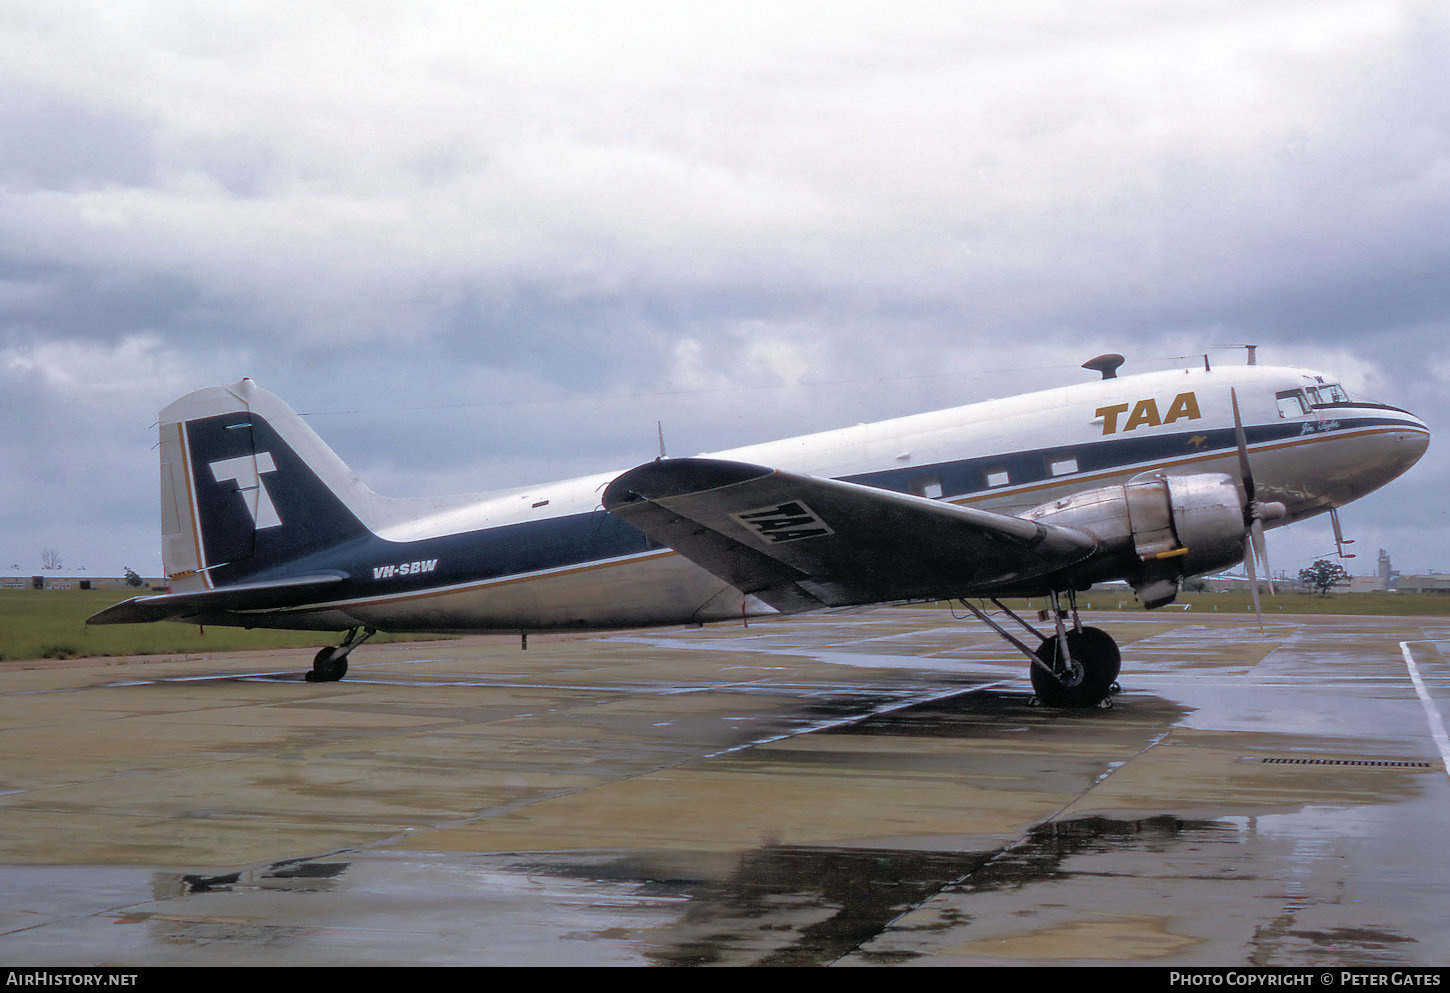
x=51 y=624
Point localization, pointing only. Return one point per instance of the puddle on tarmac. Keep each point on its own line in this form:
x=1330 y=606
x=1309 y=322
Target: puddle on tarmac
x=784 y=906
x=803 y=906
x=1157 y=889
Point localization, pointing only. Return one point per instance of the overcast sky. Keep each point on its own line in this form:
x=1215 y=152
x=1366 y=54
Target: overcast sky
x=487 y=244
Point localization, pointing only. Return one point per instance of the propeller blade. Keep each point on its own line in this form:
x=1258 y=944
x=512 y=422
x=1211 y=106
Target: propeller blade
x=1255 y=548
x=1261 y=552
x=1243 y=445
x=1253 y=580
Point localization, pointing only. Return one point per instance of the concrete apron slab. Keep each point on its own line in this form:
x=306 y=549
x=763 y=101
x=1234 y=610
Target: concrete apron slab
x=868 y=788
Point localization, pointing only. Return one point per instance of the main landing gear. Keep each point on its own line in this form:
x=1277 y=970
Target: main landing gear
x=1072 y=667
x=330 y=664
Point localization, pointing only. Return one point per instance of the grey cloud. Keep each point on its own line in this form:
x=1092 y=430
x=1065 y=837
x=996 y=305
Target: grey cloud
x=50 y=142
x=58 y=301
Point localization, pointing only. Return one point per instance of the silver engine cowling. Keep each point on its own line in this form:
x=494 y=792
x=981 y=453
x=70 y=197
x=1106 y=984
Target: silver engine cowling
x=1154 y=532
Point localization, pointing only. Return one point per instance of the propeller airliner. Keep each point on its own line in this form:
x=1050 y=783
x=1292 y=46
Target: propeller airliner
x=1148 y=479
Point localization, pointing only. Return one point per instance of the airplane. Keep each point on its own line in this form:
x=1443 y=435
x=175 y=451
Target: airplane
x=1149 y=479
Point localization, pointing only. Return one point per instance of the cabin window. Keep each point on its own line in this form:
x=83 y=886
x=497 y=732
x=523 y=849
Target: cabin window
x=995 y=476
x=927 y=486
x=1291 y=404
x=1062 y=465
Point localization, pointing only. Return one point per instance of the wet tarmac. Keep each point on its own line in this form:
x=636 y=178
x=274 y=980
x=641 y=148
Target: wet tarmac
x=856 y=789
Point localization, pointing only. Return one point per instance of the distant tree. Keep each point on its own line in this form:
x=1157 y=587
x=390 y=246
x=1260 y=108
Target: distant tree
x=132 y=579
x=49 y=558
x=1323 y=576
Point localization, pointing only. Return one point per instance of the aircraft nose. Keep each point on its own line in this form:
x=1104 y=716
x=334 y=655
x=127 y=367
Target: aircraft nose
x=1416 y=441
x=1410 y=441
x=1395 y=442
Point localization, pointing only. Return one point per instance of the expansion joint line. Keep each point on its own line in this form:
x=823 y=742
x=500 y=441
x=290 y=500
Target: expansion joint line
x=1432 y=714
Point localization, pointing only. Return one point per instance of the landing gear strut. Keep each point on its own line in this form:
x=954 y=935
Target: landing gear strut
x=1073 y=667
x=330 y=664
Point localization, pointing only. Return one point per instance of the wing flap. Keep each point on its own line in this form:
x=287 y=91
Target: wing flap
x=273 y=595
x=802 y=542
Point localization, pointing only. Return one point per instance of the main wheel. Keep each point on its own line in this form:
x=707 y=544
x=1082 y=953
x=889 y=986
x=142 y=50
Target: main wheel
x=1099 y=641
x=326 y=669
x=1088 y=681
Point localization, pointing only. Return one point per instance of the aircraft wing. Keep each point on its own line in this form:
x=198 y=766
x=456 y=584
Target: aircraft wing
x=272 y=595
x=802 y=542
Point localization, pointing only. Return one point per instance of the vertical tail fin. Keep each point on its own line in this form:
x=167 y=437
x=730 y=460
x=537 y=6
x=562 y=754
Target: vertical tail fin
x=247 y=487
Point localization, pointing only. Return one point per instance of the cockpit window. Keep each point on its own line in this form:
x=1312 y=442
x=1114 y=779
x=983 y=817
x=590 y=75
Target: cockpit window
x=1326 y=394
x=1292 y=403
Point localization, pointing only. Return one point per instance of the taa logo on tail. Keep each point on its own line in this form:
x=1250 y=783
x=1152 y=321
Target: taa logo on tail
x=246 y=472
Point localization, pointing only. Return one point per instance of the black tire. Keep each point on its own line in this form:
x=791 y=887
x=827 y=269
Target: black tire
x=1096 y=662
x=326 y=669
x=1099 y=641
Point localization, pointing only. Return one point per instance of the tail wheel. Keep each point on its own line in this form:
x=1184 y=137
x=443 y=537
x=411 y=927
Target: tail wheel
x=1088 y=680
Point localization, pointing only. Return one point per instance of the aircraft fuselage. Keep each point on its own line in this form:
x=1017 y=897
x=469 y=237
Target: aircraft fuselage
x=550 y=557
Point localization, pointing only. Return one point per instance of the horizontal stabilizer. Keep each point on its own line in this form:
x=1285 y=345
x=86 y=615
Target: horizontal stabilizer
x=803 y=542
x=274 y=595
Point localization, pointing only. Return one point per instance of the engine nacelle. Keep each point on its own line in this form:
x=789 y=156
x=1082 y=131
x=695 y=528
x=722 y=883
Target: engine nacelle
x=1155 y=532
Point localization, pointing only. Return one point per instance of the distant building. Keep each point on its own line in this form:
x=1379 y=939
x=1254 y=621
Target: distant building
x=1387 y=574
x=27 y=579
x=1382 y=581
x=1388 y=579
x=1435 y=582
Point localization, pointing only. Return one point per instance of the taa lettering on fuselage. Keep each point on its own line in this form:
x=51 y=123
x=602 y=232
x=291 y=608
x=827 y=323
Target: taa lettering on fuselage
x=1184 y=407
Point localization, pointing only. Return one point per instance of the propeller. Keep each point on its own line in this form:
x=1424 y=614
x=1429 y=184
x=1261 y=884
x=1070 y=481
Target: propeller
x=1255 y=512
